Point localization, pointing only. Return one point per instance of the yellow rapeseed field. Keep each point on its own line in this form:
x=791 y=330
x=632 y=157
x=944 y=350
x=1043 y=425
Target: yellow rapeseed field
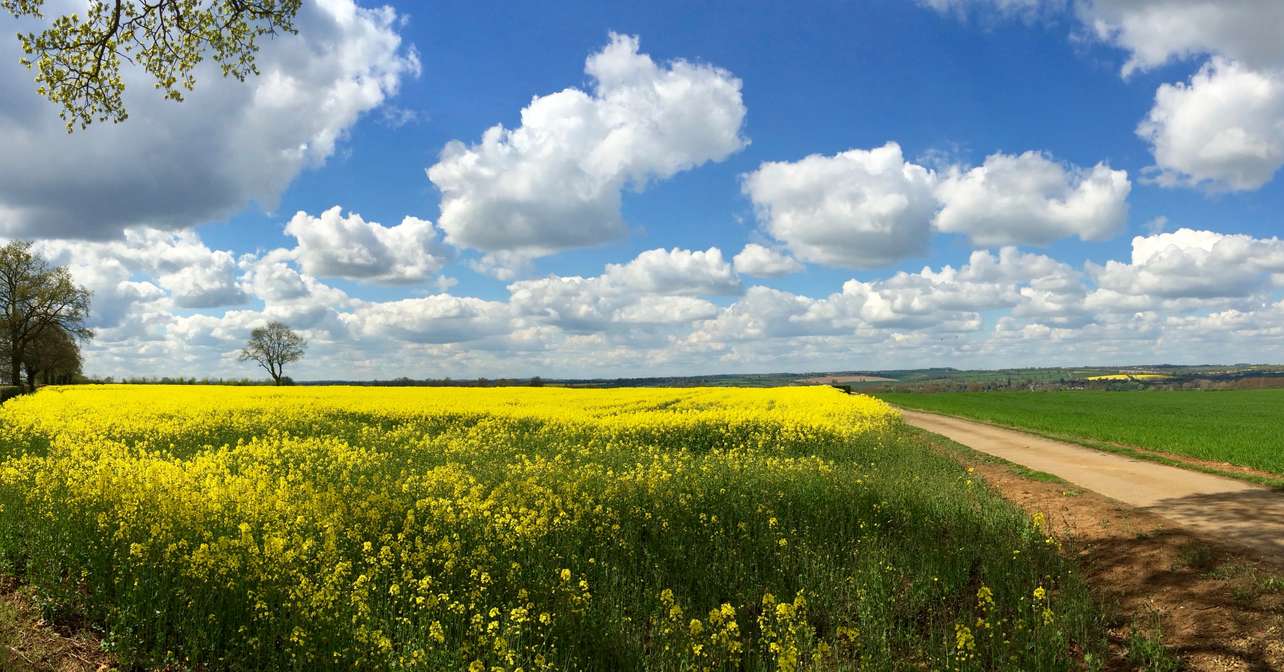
x=249 y=528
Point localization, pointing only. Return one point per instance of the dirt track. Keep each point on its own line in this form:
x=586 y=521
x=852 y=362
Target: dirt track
x=1219 y=507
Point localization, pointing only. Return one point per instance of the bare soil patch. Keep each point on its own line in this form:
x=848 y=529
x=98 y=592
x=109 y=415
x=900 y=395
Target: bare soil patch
x=1215 y=506
x=30 y=644
x=1213 y=605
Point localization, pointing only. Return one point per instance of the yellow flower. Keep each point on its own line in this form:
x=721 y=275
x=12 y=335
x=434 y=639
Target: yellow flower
x=984 y=597
x=964 y=642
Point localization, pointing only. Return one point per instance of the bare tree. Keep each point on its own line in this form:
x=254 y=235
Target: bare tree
x=53 y=355
x=36 y=297
x=272 y=347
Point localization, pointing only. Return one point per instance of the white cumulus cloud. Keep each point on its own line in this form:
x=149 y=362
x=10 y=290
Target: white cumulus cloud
x=859 y=208
x=676 y=271
x=1224 y=129
x=1155 y=32
x=1190 y=264
x=178 y=266
x=555 y=182
x=334 y=246
x=657 y=287
x=440 y=318
x=764 y=262
x=1031 y=199
x=870 y=208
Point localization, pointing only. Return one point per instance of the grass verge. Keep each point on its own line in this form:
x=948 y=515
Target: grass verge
x=1182 y=462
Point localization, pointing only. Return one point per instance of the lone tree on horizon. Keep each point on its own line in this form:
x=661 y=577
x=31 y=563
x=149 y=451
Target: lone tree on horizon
x=272 y=347
x=36 y=298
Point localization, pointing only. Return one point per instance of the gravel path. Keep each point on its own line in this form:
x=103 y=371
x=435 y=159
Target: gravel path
x=1221 y=507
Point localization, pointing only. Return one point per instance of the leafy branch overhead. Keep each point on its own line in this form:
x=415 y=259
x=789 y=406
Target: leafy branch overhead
x=77 y=59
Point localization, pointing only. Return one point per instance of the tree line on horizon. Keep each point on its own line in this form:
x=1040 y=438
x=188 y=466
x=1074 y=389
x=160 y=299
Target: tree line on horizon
x=44 y=318
x=43 y=315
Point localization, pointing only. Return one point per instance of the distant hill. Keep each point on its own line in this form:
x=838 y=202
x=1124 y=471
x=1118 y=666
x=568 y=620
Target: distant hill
x=1204 y=376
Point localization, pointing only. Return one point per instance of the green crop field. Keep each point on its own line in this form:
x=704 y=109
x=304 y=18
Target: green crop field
x=1241 y=427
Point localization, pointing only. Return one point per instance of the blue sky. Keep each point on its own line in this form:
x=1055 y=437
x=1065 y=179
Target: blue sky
x=1084 y=182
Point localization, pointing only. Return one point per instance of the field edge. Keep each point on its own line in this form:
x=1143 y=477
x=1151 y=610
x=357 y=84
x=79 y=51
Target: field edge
x=1239 y=473
x=1143 y=591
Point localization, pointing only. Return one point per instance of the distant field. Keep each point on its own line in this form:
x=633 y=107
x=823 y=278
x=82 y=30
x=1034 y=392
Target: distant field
x=1241 y=426
x=845 y=378
x=1131 y=376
